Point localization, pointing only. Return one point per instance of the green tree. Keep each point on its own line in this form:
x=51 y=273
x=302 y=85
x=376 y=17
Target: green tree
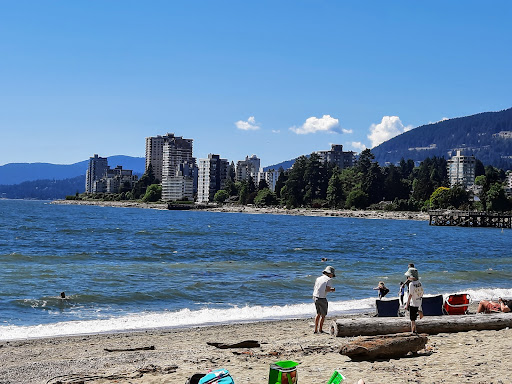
x=395 y=185
x=251 y=187
x=335 y=193
x=450 y=198
x=221 y=196
x=315 y=182
x=265 y=197
x=281 y=180
x=262 y=184
x=153 y=193
x=231 y=188
x=243 y=193
x=430 y=175
x=147 y=179
x=491 y=177
x=357 y=199
x=295 y=187
x=231 y=173
x=496 y=198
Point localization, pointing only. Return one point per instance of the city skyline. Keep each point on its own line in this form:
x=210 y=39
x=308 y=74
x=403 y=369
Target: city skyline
x=278 y=80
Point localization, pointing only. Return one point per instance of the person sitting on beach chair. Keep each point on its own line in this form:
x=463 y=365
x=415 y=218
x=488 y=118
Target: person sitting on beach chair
x=488 y=306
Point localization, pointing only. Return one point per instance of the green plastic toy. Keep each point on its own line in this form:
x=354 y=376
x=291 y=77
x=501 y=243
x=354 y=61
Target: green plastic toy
x=283 y=372
x=336 y=378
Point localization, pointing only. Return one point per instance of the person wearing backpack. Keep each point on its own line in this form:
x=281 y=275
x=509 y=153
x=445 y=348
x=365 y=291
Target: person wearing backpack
x=415 y=298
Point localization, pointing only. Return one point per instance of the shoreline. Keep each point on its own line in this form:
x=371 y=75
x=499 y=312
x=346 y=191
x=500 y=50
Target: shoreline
x=173 y=355
x=316 y=212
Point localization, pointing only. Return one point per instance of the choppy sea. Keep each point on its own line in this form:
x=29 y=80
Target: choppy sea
x=131 y=269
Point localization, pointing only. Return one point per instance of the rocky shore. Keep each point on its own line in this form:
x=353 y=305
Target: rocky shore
x=364 y=214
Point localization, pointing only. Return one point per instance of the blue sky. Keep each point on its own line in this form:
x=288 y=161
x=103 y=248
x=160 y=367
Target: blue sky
x=273 y=78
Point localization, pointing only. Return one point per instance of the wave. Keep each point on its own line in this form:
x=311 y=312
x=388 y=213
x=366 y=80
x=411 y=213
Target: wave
x=207 y=316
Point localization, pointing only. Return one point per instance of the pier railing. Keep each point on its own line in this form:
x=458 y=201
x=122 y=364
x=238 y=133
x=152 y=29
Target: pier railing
x=445 y=217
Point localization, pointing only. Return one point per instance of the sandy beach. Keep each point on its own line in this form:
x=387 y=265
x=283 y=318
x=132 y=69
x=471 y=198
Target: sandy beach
x=175 y=355
x=363 y=214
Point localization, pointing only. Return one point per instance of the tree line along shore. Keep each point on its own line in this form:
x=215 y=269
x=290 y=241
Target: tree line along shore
x=312 y=184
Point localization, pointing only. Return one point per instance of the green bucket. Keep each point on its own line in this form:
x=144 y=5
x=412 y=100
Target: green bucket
x=336 y=378
x=283 y=372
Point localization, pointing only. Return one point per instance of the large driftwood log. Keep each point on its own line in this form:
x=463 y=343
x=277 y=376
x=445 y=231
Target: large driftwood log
x=369 y=326
x=384 y=347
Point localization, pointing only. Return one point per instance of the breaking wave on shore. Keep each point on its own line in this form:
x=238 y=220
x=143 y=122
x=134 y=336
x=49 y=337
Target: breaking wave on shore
x=186 y=318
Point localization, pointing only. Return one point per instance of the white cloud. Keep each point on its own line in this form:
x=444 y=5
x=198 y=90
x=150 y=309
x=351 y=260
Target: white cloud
x=358 y=145
x=314 y=124
x=346 y=130
x=389 y=127
x=276 y=131
x=249 y=125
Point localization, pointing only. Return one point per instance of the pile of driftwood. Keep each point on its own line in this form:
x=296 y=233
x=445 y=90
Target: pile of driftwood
x=390 y=337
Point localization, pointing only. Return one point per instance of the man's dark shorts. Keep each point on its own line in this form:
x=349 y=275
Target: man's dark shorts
x=413 y=313
x=321 y=306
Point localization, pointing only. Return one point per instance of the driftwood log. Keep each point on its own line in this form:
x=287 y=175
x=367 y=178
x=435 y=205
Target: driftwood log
x=242 y=344
x=384 y=347
x=370 y=326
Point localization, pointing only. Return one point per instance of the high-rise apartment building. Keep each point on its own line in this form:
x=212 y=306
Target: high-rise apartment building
x=95 y=171
x=179 y=170
x=337 y=156
x=212 y=176
x=248 y=167
x=461 y=170
x=155 y=154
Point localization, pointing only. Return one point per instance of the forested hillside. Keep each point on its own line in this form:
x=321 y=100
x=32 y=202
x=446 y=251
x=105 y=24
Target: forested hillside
x=44 y=189
x=477 y=134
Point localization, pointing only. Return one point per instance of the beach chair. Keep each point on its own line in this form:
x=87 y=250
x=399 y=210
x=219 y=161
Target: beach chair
x=432 y=305
x=457 y=304
x=387 y=308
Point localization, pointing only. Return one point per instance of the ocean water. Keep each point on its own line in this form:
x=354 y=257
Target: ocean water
x=130 y=268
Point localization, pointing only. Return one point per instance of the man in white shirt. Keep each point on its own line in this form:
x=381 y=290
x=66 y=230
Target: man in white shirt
x=322 y=287
x=415 y=297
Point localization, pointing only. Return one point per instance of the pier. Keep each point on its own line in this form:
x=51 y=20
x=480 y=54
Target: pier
x=470 y=219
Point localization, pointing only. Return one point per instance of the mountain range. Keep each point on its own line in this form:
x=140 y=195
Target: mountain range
x=15 y=173
x=487 y=136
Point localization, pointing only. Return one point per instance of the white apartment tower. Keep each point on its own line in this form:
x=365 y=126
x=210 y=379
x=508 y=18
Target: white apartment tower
x=461 y=170
x=95 y=171
x=213 y=173
x=270 y=177
x=179 y=170
x=248 y=167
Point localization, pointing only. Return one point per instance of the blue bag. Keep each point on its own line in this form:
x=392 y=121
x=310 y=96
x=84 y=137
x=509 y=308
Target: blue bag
x=218 y=376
